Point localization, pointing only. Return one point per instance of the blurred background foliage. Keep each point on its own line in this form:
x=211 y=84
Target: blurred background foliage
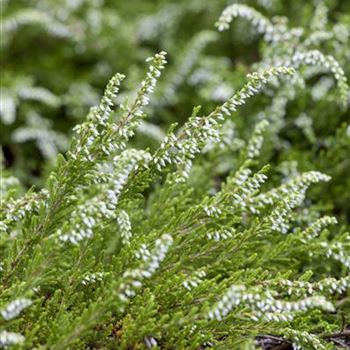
x=58 y=55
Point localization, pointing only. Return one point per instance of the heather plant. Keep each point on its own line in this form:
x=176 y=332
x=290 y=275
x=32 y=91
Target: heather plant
x=210 y=235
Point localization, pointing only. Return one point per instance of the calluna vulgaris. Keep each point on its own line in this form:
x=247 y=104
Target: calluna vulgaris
x=198 y=242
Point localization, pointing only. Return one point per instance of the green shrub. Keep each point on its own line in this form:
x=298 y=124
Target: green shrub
x=216 y=234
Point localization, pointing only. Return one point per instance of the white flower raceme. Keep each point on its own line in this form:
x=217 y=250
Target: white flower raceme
x=315 y=228
x=328 y=62
x=298 y=51
x=273 y=316
x=303 y=340
x=328 y=285
x=133 y=113
x=125 y=226
x=38 y=93
x=285 y=198
x=213 y=211
x=338 y=251
x=143 y=253
x=240 y=177
x=8 y=107
x=198 y=131
x=132 y=279
x=150 y=342
x=243 y=194
x=33 y=16
x=14 y=308
x=260 y=22
x=10 y=338
x=256 y=140
x=263 y=304
x=92 y=278
x=290 y=200
x=194 y=280
x=83 y=219
x=90 y=133
x=222 y=234
x=100 y=135
x=16 y=209
x=320 y=31
x=273 y=32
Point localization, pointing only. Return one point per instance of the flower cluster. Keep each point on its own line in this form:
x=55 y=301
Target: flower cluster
x=212 y=210
x=179 y=246
x=14 y=210
x=132 y=279
x=273 y=32
x=241 y=197
x=328 y=285
x=317 y=58
x=198 y=131
x=263 y=304
x=104 y=205
x=256 y=140
x=124 y=226
x=219 y=235
x=8 y=312
x=315 y=228
x=93 y=278
x=261 y=23
x=194 y=280
x=302 y=340
x=338 y=252
x=133 y=113
x=286 y=197
x=10 y=338
x=150 y=342
x=14 y=308
x=90 y=133
x=31 y=16
x=100 y=134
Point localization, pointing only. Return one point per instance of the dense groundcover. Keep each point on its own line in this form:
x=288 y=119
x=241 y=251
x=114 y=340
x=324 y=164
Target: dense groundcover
x=175 y=174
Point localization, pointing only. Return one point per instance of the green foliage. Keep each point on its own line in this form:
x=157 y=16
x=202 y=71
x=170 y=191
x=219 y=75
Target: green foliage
x=227 y=229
